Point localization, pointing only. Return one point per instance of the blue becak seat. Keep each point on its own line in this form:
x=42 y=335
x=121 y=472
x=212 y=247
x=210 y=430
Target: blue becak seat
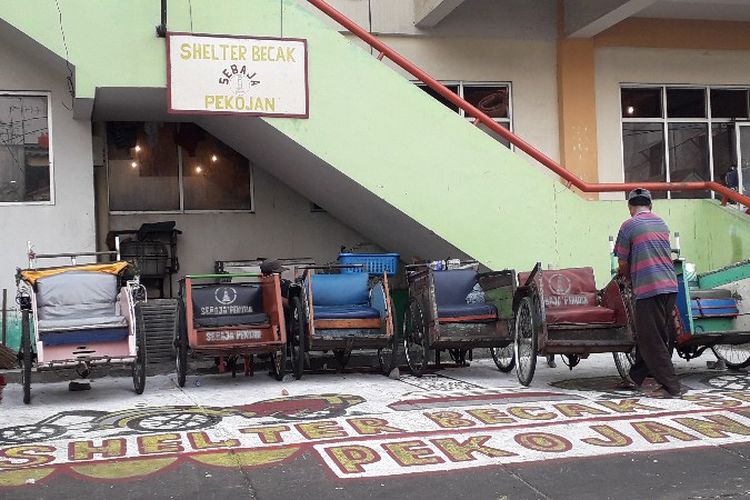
x=714 y=303
x=452 y=288
x=342 y=296
x=80 y=307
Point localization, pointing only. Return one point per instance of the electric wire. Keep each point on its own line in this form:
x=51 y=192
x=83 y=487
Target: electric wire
x=69 y=78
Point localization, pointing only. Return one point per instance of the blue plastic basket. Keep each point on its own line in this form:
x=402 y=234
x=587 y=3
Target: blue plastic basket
x=376 y=263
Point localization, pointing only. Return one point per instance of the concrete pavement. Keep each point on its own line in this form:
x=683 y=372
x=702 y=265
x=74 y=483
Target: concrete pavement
x=457 y=432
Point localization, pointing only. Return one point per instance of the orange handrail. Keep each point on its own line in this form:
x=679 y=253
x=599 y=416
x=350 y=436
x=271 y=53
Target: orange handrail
x=569 y=178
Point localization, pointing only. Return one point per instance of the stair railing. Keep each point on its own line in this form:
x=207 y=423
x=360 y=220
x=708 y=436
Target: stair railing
x=569 y=179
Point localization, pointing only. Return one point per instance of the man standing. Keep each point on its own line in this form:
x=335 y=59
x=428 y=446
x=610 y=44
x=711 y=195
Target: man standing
x=645 y=256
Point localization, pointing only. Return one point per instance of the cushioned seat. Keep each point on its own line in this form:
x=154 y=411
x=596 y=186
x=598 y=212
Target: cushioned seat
x=48 y=325
x=452 y=287
x=466 y=310
x=713 y=293
x=346 y=312
x=84 y=337
x=570 y=297
x=231 y=320
x=580 y=315
x=79 y=308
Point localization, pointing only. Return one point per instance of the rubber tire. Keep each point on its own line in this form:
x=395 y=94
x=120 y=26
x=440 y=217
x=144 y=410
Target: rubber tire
x=139 y=365
x=278 y=363
x=501 y=365
x=26 y=357
x=525 y=366
x=181 y=358
x=297 y=333
x=412 y=311
x=730 y=364
x=623 y=362
x=387 y=356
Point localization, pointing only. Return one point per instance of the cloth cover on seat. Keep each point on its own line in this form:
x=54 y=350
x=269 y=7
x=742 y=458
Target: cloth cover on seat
x=570 y=297
x=451 y=290
x=227 y=305
x=46 y=325
x=78 y=301
x=77 y=295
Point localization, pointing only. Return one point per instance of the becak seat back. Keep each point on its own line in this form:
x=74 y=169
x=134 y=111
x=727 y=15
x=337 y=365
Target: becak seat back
x=452 y=290
x=79 y=307
x=219 y=305
x=340 y=289
x=570 y=297
x=76 y=295
x=342 y=296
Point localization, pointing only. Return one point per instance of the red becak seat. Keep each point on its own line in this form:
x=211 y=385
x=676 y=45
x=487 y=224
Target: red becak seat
x=570 y=297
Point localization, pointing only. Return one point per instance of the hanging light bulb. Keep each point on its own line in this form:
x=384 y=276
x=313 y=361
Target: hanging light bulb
x=631 y=110
x=134 y=164
x=198 y=169
x=214 y=158
x=137 y=148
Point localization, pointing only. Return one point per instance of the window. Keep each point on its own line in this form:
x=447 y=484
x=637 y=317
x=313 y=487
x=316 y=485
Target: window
x=170 y=167
x=680 y=133
x=25 y=150
x=493 y=99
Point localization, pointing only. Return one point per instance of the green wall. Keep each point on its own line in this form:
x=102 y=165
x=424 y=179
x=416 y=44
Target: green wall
x=381 y=131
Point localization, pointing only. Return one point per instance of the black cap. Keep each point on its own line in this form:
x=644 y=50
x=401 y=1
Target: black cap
x=272 y=266
x=639 y=197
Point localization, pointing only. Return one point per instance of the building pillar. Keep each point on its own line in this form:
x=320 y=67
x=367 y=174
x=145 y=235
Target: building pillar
x=577 y=102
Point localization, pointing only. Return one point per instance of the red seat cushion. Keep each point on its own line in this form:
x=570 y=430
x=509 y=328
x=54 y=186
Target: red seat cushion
x=570 y=297
x=567 y=287
x=580 y=315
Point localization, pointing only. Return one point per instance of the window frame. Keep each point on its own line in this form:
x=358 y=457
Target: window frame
x=461 y=84
x=181 y=189
x=665 y=120
x=48 y=96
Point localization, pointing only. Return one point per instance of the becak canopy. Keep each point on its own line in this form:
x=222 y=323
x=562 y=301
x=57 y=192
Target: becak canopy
x=32 y=275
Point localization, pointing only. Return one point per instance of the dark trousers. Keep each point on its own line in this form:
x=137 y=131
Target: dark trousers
x=654 y=333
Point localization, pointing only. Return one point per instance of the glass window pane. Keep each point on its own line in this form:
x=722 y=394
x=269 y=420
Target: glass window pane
x=729 y=103
x=215 y=176
x=643 y=148
x=641 y=102
x=441 y=99
x=494 y=134
x=493 y=101
x=686 y=103
x=725 y=150
x=688 y=156
x=143 y=167
x=24 y=149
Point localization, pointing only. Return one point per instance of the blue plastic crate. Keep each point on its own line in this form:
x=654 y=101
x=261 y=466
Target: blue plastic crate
x=376 y=263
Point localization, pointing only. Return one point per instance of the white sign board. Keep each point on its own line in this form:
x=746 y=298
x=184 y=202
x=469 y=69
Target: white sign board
x=237 y=75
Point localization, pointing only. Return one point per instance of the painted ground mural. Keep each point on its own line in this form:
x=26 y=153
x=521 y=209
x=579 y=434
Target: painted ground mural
x=356 y=425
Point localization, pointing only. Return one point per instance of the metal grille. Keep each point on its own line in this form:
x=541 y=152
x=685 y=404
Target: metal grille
x=160 y=322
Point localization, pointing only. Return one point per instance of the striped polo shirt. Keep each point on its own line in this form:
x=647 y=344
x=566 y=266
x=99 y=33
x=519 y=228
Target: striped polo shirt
x=643 y=242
